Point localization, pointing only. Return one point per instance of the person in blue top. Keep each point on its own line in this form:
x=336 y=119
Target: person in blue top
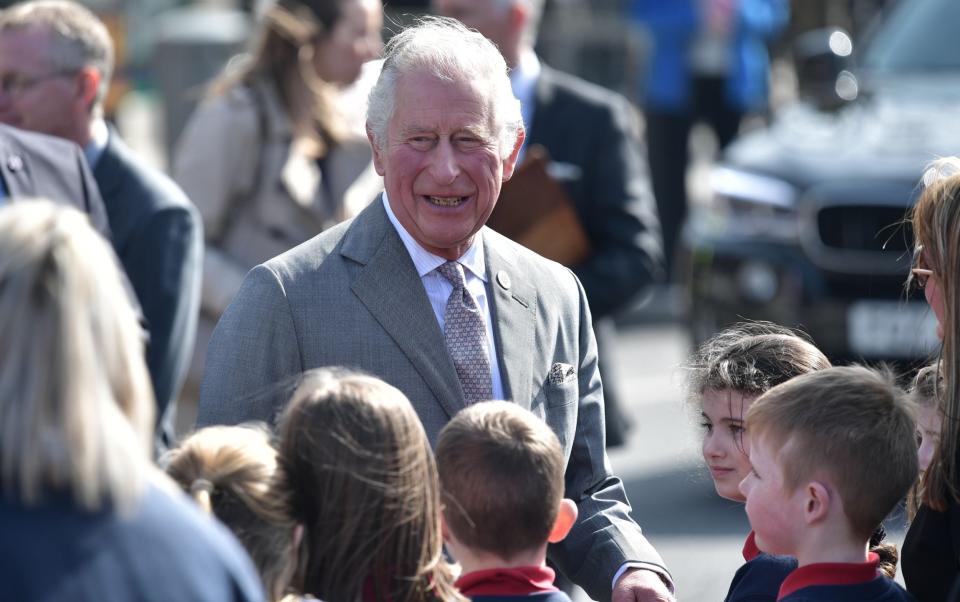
x=726 y=375
x=709 y=62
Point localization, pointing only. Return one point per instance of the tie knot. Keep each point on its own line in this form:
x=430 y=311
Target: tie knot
x=453 y=273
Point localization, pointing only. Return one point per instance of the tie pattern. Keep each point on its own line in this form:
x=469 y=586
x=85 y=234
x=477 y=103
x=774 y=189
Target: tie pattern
x=466 y=337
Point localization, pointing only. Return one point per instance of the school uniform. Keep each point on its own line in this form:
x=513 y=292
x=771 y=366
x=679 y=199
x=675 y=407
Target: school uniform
x=842 y=582
x=760 y=578
x=521 y=584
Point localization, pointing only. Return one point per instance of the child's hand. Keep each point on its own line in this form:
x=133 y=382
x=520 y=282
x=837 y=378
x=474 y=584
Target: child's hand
x=641 y=585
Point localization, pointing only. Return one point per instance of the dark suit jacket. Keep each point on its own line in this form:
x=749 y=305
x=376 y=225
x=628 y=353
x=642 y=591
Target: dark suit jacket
x=35 y=165
x=592 y=137
x=158 y=236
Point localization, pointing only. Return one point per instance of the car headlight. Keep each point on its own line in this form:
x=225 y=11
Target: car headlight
x=749 y=205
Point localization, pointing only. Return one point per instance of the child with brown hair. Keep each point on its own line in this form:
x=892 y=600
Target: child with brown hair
x=356 y=470
x=727 y=373
x=831 y=454
x=229 y=471
x=501 y=471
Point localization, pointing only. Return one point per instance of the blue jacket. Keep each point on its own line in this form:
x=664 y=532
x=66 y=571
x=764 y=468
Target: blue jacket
x=673 y=26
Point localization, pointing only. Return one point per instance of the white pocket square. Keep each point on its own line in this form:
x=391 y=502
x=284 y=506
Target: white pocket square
x=561 y=373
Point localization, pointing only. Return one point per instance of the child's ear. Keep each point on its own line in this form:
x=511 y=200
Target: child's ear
x=444 y=529
x=816 y=502
x=566 y=517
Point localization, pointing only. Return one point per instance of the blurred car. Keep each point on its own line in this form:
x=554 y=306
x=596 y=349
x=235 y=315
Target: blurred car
x=805 y=225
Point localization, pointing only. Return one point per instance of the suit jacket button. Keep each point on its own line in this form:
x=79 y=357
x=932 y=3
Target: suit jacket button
x=504 y=279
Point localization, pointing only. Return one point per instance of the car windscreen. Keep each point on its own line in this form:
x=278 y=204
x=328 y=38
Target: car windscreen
x=917 y=36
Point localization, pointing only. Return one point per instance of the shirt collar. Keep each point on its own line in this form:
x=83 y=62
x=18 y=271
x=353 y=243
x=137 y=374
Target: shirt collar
x=517 y=581
x=93 y=150
x=830 y=573
x=426 y=262
x=750 y=549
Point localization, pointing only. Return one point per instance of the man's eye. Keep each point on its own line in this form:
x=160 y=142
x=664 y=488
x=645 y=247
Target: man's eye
x=420 y=142
x=469 y=142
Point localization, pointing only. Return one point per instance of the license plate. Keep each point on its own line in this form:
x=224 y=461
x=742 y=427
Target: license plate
x=891 y=329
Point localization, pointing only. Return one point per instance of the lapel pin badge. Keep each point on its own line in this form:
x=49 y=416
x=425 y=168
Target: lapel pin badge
x=503 y=279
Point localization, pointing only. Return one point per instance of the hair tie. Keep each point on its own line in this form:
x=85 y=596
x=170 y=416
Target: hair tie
x=878 y=536
x=199 y=485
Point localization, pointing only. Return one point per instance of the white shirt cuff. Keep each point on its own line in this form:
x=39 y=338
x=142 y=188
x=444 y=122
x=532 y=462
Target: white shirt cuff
x=647 y=566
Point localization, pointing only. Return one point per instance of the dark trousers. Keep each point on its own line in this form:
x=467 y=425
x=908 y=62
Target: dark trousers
x=668 y=136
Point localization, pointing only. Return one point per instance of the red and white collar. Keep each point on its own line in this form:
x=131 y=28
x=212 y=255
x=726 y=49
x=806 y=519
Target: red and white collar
x=830 y=573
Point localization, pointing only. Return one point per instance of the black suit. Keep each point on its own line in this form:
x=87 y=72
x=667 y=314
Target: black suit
x=158 y=236
x=592 y=137
x=596 y=131
x=35 y=165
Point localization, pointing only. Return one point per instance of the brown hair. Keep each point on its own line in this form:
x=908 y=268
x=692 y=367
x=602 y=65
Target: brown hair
x=751 y=358
x=501 y=470
x=229 y=472
x=282 y=52
x=936 y=225
x=358 y=473
x=850 y=423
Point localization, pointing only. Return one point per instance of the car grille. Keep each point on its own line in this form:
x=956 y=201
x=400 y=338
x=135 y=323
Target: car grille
x=868 y=228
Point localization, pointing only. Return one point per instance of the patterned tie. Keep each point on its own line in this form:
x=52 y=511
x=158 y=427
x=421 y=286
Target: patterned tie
x=466 y=337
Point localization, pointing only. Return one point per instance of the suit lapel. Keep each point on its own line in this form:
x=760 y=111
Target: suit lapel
x=513 y=309
x=390 y=288
x=107 y=172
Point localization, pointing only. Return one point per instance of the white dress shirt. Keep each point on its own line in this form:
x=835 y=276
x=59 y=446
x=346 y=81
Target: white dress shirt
x=439 y=288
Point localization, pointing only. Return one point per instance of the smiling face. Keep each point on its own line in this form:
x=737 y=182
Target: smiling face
x=776 y=515
x=441 y=160
x=724 y=445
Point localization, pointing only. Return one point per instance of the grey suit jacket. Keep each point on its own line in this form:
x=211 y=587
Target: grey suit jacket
x=352 y=297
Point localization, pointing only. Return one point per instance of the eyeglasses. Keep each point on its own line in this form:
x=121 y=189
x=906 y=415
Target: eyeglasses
x=16 y=83
x=921 y=273
x=920 y=276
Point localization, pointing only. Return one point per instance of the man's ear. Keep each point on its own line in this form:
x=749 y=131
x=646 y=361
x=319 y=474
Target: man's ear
x=816 y=502
x=88 y=83
x=511 y=161
x=566 y=518
x=377 y=153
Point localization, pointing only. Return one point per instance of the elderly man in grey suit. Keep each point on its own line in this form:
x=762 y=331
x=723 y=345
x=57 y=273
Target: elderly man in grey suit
x=418 y=292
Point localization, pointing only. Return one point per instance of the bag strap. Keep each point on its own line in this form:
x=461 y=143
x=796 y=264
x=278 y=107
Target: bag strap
x=240 y=199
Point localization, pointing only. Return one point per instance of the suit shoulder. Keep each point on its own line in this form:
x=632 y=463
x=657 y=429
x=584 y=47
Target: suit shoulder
x=135 y=180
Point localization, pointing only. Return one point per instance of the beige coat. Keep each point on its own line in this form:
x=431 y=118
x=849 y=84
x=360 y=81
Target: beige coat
x=258 y=195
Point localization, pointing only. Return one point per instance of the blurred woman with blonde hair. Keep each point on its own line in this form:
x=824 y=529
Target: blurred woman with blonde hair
x=230 y=471
x=272 y=158
x=84 y=516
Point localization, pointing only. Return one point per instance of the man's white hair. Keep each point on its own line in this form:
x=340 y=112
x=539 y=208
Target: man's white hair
x=449 y=51
x=78 y=37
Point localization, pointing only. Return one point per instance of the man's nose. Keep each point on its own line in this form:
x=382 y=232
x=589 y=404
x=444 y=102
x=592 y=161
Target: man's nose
x=443 y=165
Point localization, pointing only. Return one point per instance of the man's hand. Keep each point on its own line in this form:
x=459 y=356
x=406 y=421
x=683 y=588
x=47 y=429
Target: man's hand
x=641 y=585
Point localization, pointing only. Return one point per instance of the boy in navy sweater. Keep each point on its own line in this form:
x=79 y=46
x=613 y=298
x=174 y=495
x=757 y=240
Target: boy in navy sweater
x=501 y=474
x=832 y=453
